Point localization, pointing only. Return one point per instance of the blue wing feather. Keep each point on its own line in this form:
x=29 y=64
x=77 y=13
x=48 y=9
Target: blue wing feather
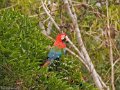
x=53 y=54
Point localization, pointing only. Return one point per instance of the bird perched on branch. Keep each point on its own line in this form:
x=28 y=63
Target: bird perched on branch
x=59 y=48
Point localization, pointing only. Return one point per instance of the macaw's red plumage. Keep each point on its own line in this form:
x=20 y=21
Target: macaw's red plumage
x=58 y=42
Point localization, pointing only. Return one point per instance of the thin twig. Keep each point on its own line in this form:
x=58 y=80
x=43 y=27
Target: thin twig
x=44 y=13
x=113 y=65
x=50 y=16
x=46 y=20
x=9 y=7
x=111 y=50
x=116 y=61
x=115 y=71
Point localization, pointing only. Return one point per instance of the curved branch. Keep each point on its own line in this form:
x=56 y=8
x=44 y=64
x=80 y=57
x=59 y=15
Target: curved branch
x=44 y=7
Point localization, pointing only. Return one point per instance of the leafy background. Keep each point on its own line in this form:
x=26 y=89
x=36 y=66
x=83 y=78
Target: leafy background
x=23 y=47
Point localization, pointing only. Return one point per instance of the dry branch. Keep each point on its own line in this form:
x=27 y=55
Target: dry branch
x=110 y=46
x=9 y=7
x=97 y=79
x=44 y=7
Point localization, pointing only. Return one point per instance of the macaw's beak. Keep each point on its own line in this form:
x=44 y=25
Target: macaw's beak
x=65 y=40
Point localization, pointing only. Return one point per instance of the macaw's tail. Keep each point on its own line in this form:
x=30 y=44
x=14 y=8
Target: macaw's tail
x=47 y=63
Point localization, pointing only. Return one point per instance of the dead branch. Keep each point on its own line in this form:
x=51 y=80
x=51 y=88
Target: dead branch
x=111 y=49
x=116 y=61
x=98 y=81
x=9 y=7
x=44 y=7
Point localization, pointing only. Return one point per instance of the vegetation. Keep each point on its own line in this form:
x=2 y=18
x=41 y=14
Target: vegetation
x=23 y=46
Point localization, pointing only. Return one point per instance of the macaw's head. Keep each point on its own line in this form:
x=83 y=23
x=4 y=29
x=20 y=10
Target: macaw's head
x=61 y=37
x=60 y=40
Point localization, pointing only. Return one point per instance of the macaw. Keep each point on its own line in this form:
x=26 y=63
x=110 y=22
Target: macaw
x=59 y=48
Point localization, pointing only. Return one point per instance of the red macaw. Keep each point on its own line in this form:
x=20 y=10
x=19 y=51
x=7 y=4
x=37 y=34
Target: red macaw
x=59 y=47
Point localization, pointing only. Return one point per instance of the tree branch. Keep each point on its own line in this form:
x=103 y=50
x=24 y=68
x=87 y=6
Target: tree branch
x=111 y=50
x=9 y=7
x=98 y=81
x=44 y=7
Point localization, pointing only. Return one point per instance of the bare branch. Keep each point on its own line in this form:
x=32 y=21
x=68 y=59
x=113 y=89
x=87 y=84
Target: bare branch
x=98 y=81
x=9 y=7
x=44 y=7
x=116 y=61
x=80 y=54
x=110 y=45
x=49 y=29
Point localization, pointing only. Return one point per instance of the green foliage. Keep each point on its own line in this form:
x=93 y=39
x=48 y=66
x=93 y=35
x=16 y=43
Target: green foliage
x=22 y=46
x=4 y=3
